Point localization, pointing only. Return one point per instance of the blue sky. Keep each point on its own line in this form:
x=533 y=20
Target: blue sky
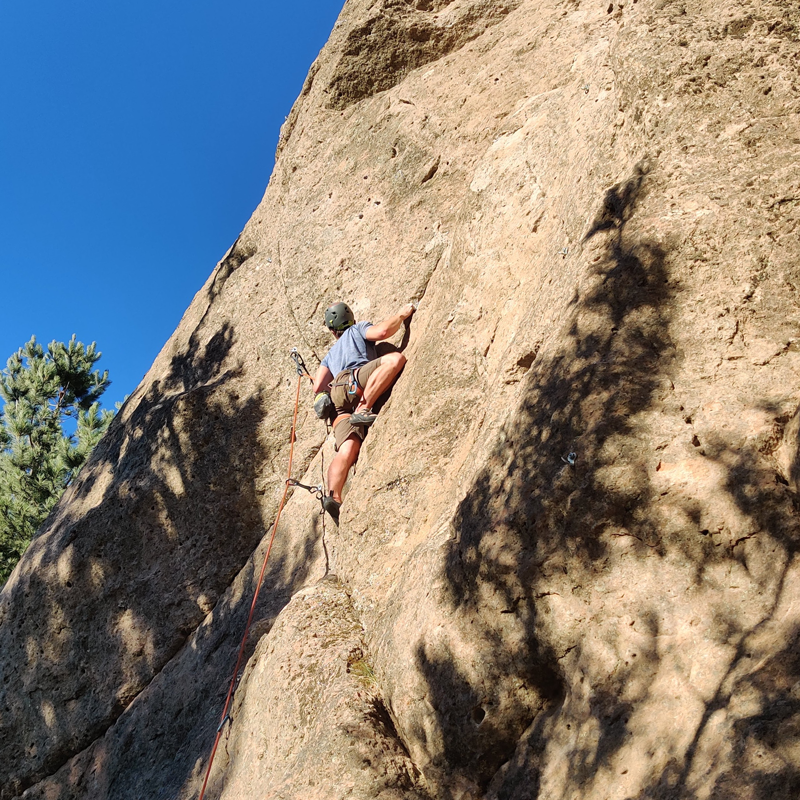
x=136 y=139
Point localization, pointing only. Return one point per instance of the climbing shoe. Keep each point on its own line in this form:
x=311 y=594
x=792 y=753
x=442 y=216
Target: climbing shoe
x=364 y=417
x=332 y=507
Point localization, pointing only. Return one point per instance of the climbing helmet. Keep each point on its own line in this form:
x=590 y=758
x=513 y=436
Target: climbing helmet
x=339 y=317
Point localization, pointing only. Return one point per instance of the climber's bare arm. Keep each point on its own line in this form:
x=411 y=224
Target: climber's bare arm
x=389 y=326
x=322 y=380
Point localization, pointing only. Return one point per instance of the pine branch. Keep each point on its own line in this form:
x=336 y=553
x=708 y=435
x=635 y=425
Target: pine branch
x=38 y=459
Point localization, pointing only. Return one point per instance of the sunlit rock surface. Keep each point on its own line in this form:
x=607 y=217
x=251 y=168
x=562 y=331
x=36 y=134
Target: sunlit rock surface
x=568 y=561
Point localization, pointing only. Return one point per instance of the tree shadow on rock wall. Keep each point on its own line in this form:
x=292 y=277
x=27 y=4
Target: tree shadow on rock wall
x=537 y=507
x=757 y=694
x=569 y=476
x=141 y=569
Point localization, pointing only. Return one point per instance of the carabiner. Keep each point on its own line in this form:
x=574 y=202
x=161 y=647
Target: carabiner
x=299 y=363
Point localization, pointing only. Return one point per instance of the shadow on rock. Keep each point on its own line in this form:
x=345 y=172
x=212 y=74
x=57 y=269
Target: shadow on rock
x=568 y=466
x=757 y=694
x=569 y=477
x=125 y=583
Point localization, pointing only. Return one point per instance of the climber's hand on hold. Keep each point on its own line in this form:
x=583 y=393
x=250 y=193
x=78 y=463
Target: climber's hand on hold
x=322 y=405
x=407 y=310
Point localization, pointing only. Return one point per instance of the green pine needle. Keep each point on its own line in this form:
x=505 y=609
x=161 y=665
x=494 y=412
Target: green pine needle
x=41 y=388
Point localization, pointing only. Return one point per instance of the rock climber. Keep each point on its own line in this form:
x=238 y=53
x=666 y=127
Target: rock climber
x=350 y=380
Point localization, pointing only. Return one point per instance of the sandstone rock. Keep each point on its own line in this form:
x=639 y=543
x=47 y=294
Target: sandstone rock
x=568 y=562
x=348 y=746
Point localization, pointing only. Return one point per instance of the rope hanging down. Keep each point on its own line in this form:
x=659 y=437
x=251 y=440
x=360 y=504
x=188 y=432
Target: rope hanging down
x=301 y=373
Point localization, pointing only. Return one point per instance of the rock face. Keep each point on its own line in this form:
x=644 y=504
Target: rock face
x=568 y=561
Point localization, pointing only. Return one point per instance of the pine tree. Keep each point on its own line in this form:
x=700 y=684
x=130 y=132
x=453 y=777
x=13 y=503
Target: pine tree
x=43 y=390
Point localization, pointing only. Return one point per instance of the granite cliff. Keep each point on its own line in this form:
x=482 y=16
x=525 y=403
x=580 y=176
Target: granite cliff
x=568 y=564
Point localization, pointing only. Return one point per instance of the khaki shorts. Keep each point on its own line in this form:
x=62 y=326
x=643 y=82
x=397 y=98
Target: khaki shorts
x=346 y=392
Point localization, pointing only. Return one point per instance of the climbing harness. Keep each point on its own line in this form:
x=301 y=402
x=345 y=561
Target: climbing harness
x=353 y=389
x=302 y=372
x=348 y=380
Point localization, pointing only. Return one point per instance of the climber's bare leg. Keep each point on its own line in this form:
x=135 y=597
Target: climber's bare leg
x=341 y=464
x=381 y=379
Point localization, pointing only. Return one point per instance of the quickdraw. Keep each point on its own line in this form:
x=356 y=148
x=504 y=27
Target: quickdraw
x=319 y=491
x=300 y=364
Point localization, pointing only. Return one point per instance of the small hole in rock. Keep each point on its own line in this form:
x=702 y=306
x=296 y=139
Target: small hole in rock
x=478 y=715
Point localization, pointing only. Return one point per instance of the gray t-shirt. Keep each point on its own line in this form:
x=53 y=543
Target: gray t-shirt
x=352 y=349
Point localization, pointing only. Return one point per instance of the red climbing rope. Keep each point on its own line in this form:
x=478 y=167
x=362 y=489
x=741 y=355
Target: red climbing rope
x=258 y=589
